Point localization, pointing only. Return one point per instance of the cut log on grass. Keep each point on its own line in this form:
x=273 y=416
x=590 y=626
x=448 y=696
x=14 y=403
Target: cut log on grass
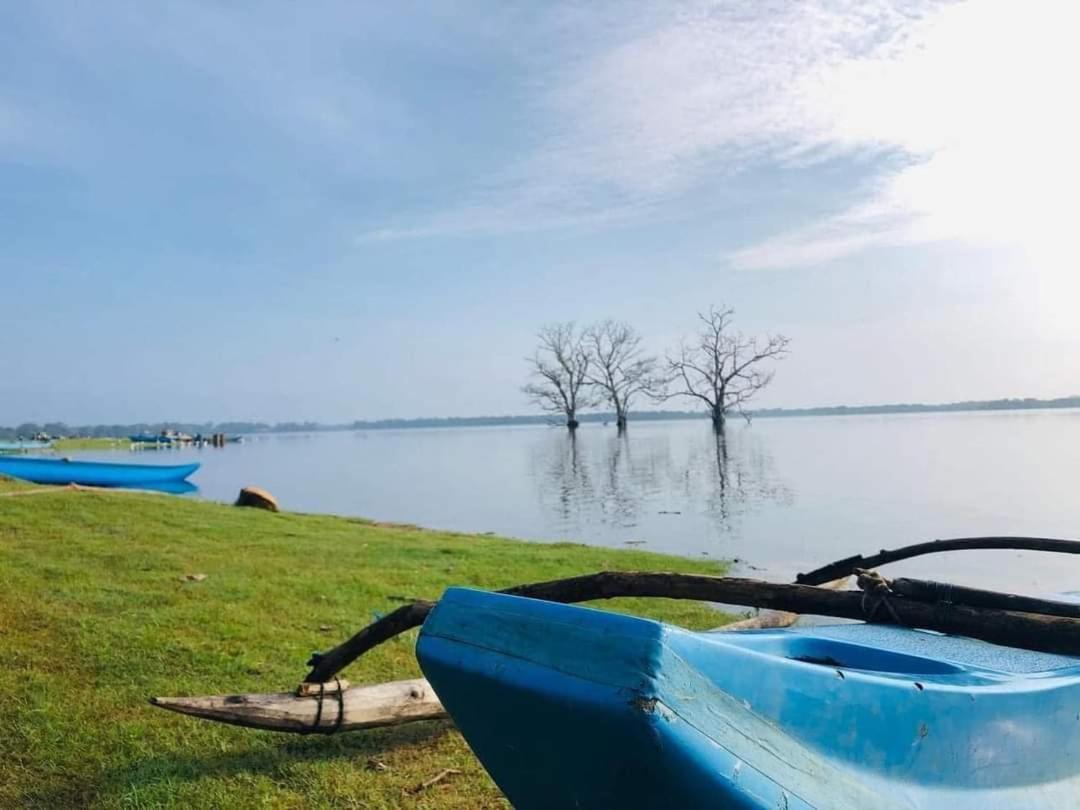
x=258 y=498
x=359 y=707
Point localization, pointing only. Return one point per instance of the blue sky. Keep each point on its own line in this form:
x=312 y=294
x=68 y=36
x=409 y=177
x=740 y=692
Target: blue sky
x=341 y=210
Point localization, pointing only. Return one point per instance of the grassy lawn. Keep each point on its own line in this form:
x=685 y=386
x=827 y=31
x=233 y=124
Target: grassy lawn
x=95 y=617
x=62 y=445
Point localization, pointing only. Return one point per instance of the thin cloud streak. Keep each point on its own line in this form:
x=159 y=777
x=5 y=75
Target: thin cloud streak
x=955 y=115
x=663 y=105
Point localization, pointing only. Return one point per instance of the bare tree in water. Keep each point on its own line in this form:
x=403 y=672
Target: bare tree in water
x=723 y=368
x=560 y=371
x=620 y=369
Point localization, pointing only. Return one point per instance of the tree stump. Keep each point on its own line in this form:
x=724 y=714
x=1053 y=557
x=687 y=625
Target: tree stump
x=258 y=498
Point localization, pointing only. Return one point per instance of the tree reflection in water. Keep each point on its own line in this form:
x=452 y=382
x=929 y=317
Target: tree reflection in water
x=605 y=484
x=742 y=475
x=564 y=474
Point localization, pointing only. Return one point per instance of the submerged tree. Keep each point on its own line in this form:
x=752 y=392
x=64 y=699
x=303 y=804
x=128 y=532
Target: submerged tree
x=560 y=368
x=723 y=368
x=620 y=369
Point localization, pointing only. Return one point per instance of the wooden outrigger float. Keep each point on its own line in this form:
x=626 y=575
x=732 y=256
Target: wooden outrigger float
x=318 y=708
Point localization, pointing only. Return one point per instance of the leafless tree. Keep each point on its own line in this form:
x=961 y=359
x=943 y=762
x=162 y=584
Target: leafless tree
x=723 y=368
x=620 y=369
x=560 y=371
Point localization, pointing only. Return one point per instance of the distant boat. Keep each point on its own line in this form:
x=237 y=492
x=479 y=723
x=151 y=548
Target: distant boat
x=150 y=438
x=15 y=447
x=93 y=473
x=574 y=707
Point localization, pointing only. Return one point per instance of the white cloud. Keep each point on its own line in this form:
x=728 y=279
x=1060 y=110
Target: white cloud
x=961 y=114
x=979 y=100
x=646 y=106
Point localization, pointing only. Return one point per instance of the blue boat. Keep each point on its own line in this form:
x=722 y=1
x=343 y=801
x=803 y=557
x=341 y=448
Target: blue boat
x=92 y=473
x=150 y=438
x=570 y=707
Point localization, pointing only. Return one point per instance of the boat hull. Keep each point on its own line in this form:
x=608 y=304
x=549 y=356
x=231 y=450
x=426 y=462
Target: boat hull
x=572 y=707
x=150 y=438
x=94 y=473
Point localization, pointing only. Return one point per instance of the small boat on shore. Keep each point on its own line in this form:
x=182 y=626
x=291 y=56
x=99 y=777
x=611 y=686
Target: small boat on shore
x=575 y=707
x=93 y=473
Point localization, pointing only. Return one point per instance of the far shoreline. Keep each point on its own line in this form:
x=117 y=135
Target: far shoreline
x=109 y=431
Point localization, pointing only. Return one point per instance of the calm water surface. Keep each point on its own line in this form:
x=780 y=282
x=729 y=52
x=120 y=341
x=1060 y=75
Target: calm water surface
x=780 y=496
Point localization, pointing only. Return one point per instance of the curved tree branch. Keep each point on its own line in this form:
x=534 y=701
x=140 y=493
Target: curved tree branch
x=846 y=566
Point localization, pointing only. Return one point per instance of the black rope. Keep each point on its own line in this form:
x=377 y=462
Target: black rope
x=875 y=587
x=316 y=726
x=318 y=709
x=340 y=707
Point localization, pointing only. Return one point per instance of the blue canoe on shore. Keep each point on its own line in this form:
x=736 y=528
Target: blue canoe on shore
x=570 y=707
x=93 y=473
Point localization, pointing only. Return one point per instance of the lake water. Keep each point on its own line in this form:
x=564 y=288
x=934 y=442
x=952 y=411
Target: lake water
x=780 y=496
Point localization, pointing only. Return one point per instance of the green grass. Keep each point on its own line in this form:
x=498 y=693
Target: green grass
x=91 y=444
x=95 y=617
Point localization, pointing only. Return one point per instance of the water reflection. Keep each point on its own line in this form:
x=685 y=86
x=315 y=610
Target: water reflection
x=565 y=483
x=618 y=498
x=639 y=485
x=170 y=487
x=734 y=475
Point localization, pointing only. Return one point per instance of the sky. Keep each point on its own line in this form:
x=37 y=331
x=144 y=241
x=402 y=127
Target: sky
x=337 y=211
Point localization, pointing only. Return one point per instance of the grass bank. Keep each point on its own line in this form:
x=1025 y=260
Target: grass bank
x=62 y=445
x=96 y=615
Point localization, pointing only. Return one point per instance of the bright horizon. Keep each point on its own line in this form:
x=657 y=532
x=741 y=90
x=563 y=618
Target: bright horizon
x=220 y=213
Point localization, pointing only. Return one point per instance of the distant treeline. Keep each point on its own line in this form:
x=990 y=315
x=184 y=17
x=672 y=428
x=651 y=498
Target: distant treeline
x=207 y=428
x=1028 y=403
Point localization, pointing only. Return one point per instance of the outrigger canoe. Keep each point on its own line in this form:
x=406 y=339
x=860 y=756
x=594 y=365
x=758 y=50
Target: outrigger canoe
x=93 y=473
x=571 y=707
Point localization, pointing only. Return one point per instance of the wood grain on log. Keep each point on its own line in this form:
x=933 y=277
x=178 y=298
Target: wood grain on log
x=360 y=707
x=930 y=591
